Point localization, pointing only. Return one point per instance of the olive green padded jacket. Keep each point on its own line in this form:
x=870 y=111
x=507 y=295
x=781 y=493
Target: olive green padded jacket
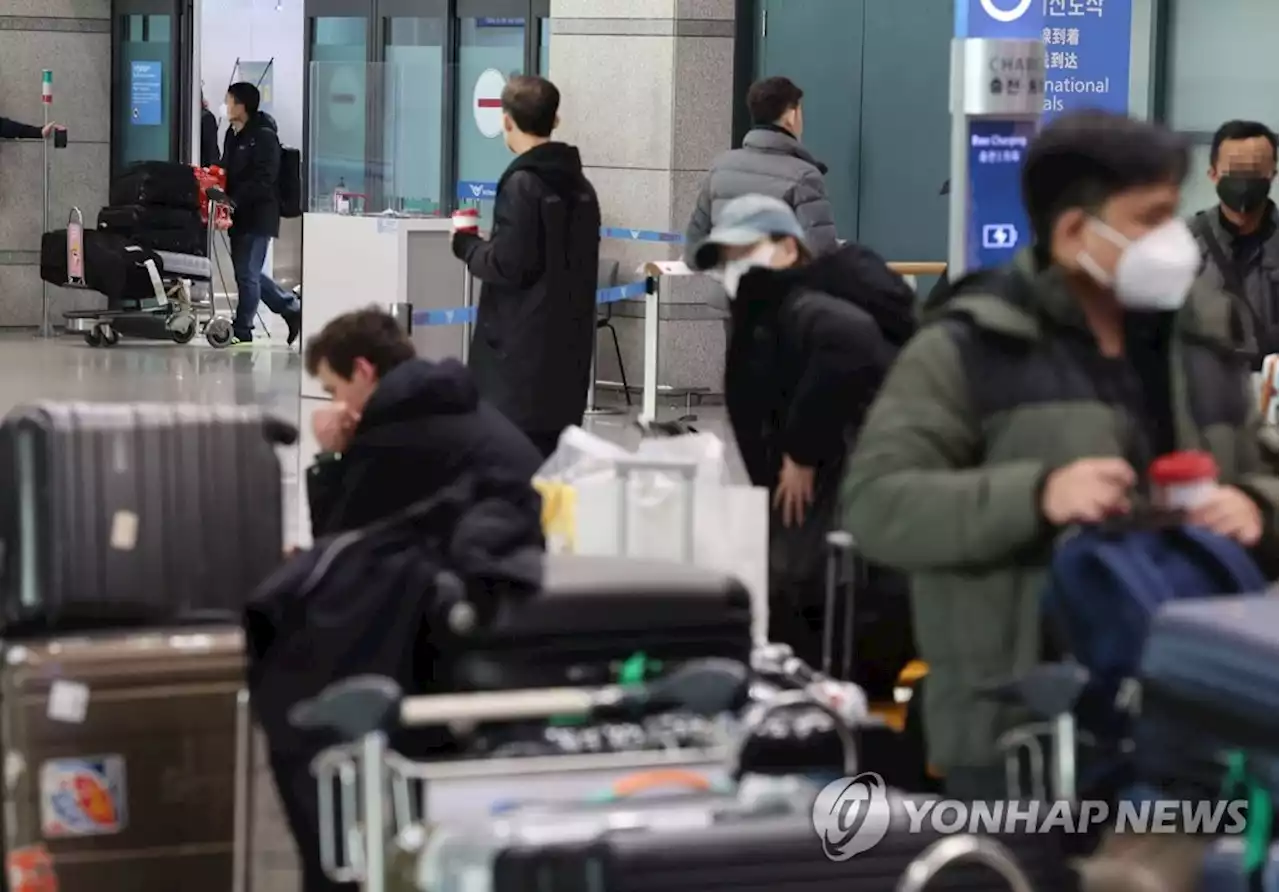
x=946 y=476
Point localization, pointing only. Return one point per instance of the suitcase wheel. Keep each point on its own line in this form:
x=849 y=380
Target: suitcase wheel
x=218 y=332
x=102 y=335
x=183 y=330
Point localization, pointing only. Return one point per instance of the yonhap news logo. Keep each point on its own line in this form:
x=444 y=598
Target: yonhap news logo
x=854 y=814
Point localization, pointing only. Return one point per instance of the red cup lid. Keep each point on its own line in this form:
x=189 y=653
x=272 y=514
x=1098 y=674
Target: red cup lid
x=1183 y=467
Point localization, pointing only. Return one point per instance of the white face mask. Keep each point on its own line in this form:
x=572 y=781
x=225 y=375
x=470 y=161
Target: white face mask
x=1155 y=271
x=730 y=274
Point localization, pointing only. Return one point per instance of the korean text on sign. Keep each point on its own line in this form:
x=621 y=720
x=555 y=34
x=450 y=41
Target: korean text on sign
x=1072 y=8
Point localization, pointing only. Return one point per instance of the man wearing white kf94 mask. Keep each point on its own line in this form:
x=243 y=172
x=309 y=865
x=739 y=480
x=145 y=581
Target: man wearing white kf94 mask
x=1034 y=399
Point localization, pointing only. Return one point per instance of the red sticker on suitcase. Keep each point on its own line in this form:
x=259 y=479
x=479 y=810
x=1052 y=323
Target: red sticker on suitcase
x=30 y=869
x=82 y=797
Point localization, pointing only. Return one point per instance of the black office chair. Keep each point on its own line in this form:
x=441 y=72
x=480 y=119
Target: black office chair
x=608 y=278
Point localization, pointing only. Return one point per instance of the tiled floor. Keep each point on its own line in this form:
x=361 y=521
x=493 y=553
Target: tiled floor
x=65 y=368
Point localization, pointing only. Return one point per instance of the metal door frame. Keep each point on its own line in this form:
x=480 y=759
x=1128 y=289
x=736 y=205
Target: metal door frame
x=182 y=59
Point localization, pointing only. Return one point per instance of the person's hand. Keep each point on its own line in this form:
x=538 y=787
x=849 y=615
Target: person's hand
x=794 y=493
x=47 y=130
x=1229 y=512
x=1087 y=491
x=333 y=425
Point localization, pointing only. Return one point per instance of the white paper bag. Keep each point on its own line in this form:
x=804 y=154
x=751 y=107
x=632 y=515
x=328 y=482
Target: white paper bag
x=730 y=528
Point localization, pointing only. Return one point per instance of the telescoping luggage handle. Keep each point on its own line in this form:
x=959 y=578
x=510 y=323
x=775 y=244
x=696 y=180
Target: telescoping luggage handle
x=626 y=469
x=841 y=567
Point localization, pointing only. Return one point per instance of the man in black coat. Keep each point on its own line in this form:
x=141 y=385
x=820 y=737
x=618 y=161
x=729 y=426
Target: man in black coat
x=810 y=343
x=400 y=428
x=251 y=158
x=536 y=325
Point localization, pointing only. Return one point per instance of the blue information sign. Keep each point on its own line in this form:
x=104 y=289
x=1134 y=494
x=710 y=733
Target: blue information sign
x=146 y=106
x=997 y=226
x=1087 y=45
x=477 y=190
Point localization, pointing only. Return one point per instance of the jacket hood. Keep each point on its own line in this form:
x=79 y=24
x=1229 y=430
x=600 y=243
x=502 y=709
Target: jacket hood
x=853 y=274
x=557 y=164
x=420 y=387
x=774 y=140
x=267 y=122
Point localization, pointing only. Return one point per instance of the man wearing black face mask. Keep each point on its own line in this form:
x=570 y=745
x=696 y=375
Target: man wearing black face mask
x=1238 y=238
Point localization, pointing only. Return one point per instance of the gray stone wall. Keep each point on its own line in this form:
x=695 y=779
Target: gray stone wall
x=647 y=92
x=73 y=38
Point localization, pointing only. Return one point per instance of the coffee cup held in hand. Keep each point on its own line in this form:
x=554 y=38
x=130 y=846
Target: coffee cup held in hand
x=1181 y=481
x=466 y=220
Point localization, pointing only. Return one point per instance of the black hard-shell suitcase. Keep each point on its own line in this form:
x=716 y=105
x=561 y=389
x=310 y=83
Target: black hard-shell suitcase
x=166 y=183
x=594 y=613
x=130 y=218
x=1210 y=687
x=656 y=852
x=135 y=513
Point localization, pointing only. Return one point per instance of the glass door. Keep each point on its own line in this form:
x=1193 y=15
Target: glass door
x=337 y=116
x=404 y=97
x=492 y=48
x=151 y=42
x=414 y=43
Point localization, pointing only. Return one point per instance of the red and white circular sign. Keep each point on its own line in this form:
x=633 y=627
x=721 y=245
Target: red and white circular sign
x=486 y=102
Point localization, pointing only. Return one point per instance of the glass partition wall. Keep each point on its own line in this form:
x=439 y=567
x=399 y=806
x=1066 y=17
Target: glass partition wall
x=402 y=106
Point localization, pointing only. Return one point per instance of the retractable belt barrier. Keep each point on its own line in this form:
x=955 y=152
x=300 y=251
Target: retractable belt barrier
x=467 y=315
x=485 y=191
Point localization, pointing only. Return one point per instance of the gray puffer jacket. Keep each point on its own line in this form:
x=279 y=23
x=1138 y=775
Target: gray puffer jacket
x=770 y=162
x=1257 y=274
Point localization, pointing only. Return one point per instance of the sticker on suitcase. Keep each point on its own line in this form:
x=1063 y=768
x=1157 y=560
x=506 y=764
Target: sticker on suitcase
x=82 y=797
x=30 y=869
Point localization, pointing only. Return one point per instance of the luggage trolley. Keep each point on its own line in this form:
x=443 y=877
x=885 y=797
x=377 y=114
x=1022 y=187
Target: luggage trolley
x=169 y=312
x=365 y=836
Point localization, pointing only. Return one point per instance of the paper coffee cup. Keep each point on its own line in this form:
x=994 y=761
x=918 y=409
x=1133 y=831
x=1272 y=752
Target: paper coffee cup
x=467 y=220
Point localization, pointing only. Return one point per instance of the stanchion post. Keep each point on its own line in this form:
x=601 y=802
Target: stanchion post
x=468 y=301
x=46 y=102
x=402 y=312
x=649 y=400
x=591 y=388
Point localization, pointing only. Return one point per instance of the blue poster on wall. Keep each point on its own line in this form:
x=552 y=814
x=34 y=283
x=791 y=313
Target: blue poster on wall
x=997 y=226
x=1087 y=45
x=146 y=94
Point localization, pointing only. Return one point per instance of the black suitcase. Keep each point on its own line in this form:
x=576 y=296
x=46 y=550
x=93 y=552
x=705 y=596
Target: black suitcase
x=175 y=241
x=1209 y=685
x=117 y=267
x=53 y=257
x=593 y=614
x=135 y=513
x=674 y=849
x=130 y=218
x=164 y=183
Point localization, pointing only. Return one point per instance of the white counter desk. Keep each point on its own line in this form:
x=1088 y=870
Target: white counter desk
x=349 y=262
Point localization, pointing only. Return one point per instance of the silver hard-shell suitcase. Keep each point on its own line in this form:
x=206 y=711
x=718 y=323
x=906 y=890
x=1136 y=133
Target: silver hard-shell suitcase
x=136 y=513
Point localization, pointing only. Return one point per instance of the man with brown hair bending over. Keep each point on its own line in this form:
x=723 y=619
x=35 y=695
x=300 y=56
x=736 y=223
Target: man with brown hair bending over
x=399 y=428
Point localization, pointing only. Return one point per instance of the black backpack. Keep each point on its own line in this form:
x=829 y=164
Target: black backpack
x=290 y=182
